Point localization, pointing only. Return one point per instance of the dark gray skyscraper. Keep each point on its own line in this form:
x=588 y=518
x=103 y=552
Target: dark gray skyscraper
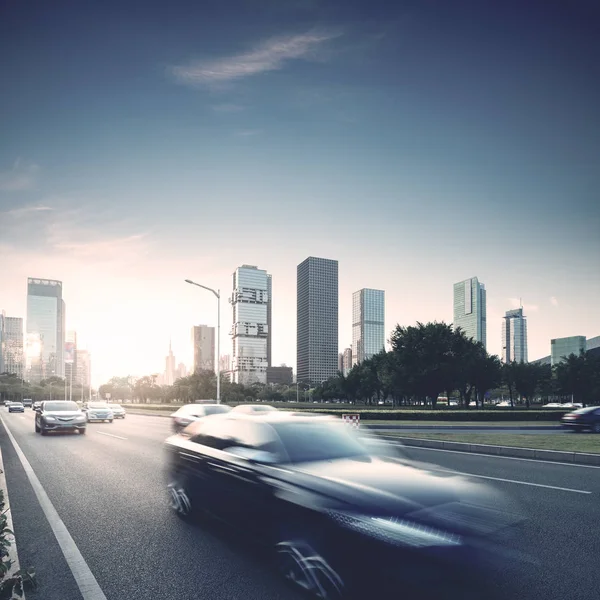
x=45 y=329
x=317 y=320
x=514 y=336
x=368 y=324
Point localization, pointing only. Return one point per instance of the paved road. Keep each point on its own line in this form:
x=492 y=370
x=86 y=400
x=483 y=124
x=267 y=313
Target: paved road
x=108 y=487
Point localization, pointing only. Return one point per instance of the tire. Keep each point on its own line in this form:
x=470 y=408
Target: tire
x=82 y=431
x=110 y=420
x=596 y=427
x=307 y=570
x=180 y=499
x=43 y=431
x=37 y=429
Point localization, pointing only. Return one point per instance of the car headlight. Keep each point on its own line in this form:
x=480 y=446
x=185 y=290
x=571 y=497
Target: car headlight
x=49 y=418
x=80 y=418
x=396 y=531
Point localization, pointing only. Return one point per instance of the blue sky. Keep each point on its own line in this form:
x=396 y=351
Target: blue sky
x=419 y=143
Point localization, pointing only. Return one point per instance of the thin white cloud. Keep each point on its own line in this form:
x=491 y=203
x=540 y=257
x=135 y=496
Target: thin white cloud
x=516 y=303
x=270 y=55
x=21 y=177
x=27 y=210
x=554 y=301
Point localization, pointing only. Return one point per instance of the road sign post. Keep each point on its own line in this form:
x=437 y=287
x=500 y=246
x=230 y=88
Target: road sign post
x=352 y=420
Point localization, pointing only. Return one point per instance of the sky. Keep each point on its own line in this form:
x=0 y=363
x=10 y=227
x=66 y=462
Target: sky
x=419 y=143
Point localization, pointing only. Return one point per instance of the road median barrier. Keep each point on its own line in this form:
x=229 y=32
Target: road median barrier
x=494 y=450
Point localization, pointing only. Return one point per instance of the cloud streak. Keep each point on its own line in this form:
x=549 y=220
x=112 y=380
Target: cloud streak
x=270 y=55
x=554 y=301
x=27 y=210
x=20 y=178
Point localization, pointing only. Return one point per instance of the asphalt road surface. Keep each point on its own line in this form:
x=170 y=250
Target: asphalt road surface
x=108 y=488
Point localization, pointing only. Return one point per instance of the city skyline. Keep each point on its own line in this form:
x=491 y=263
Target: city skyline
x=417 y=144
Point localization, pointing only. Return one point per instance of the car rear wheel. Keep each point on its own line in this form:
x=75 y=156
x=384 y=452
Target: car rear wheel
x=110 y=420
x=43 y=431
x=307 y=570
x=596 y=427
x=37 y=429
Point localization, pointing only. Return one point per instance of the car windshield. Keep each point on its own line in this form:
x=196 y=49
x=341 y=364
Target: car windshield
x=115 y=406
x=262 y=409
x=307 y=441
x=59 y=406
x=216 y=410
x=97 y=405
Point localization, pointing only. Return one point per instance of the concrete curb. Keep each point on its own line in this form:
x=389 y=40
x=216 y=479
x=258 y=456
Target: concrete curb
x=580 y=458
x=12 y=550
x=476 y=425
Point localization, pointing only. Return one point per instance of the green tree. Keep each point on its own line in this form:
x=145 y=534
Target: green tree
x=527 y=379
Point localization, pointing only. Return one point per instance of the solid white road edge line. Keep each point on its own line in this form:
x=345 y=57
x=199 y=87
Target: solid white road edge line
x=88 y=586
x=540 y=485
x=12 y=550
x=111 y=435
x=537 y=460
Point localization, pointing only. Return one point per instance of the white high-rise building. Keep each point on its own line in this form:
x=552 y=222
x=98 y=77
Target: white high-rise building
x=203 y=339
x=250 y=325
x=470 y=309
x=170 y=368
x=514 y=336
x=84 y=368
x=11 y=345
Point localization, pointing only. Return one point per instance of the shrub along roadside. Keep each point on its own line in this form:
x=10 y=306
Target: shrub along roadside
x=11 y=584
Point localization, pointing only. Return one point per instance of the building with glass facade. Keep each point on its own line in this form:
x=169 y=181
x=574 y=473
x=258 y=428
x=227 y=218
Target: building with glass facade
x=45 y=343
x=250 y=328
x=269 y=316
x=563 y=347
x=346 y=361
x=470 y=309
x=84 y=368
x=368 y=324
x=11 y=345
x=203 y=340
x=514 y=336
x=317 y=320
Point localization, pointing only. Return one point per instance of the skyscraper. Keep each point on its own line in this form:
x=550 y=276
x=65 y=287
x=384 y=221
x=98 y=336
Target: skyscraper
x=11 y=345
x=347 y=362
x=250 y=328
x=368 y=324
x=45 y=329
x=317 y=320
x=70 y=356
x=84 y=368
x=203 y=338
x=170 y=368
x=470 y=309
x=514 y=336
x=269 y=317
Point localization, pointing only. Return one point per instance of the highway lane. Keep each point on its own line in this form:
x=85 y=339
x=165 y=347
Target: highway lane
x=109 y=492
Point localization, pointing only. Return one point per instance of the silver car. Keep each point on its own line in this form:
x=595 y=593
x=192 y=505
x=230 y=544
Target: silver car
x=98 y=411
x=59 y=415
x=189 y=413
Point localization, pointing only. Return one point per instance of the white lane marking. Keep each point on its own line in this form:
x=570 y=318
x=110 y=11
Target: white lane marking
x=111 y=435
x=540 y=485
x=538 y=460
x=88 y=586
x=12 y=555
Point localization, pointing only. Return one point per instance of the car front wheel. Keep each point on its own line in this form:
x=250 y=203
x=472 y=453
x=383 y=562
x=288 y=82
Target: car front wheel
x=82 y=431
x=37 y=428
x=43 y=431
x=596 y=427
x=307 y=570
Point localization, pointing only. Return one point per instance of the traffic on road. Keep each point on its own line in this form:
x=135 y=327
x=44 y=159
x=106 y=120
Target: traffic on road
x=276 y=505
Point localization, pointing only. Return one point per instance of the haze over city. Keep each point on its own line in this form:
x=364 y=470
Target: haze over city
x=415 y=146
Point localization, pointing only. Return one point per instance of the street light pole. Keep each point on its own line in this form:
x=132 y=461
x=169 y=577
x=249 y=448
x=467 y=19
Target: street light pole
x=217 y=294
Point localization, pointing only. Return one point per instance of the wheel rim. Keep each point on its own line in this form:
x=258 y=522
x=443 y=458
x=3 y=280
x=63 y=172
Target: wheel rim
x=179 y=499
x=305 y=568
x=596 y=428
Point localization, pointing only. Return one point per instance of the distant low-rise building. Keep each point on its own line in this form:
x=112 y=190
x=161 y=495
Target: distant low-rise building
x=562 y=347
x=280 y=375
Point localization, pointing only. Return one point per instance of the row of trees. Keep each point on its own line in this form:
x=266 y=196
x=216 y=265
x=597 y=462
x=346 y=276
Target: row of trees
x=425 y=362
x=13 y=388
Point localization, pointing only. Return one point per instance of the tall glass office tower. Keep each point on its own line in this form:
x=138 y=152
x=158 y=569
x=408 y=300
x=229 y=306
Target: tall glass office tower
x=250 y=329
x=368 y=324
x=45 y=329
x=514 y=336
x=317 y=320
x=563 y=347
x=470 y=309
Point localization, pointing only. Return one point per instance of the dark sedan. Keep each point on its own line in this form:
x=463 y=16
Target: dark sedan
x=342 y=518
x=59 y=415
x=582 y=419
x=188 y=413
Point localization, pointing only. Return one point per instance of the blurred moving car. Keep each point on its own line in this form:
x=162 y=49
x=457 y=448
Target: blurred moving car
x=253 y=409
x=553 y=405
x=97 y=411
x=7 y=404
x=339 y=516
x=59 y=415
x=36 y=404
x=584 y=418
x=189 y=413
x=117 y=410
x=16 y=407
x=27 y=402
x=503 y=404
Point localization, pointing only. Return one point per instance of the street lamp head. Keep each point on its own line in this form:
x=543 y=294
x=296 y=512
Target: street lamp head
x=189 y=281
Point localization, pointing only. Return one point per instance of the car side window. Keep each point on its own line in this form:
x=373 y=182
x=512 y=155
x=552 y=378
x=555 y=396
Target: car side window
x=255 y=435
x=214 y=433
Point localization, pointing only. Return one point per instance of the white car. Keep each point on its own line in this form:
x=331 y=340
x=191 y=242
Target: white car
x=117 y=410
x=98 y=411
x=251 y=409
x=503 y=404
x=553 y=405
